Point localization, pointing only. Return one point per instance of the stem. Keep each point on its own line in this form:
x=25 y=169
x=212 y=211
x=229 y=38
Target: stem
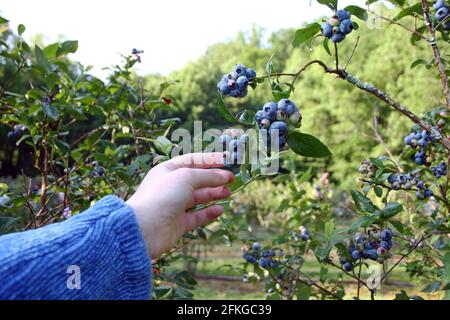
x=421 y=36
x=336 y=55
x=435 y=49
x=406 y=255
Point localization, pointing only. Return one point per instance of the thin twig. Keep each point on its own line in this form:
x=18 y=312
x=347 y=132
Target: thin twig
x=435 y=49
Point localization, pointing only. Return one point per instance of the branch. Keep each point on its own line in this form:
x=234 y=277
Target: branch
x=436 y=53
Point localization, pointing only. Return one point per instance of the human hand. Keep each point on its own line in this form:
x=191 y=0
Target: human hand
x=170 y=189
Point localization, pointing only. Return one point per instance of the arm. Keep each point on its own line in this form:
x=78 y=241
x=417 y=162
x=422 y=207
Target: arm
x=103 y=246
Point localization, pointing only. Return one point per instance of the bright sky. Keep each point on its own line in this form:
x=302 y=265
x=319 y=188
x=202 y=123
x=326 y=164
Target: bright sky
x=171 y=32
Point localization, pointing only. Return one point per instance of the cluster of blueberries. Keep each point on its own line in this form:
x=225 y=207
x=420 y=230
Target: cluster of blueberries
x=278 y=117
x=137 y=53
x=442 y=12
x=421 y=139
x=367 y=168
x=302 y=234
x=235 y=146
x=264 y=258
x=409 y=180
x=235 y=84
x=338 y=26
x=439 y=170
x=373 y=245
x=17 y=132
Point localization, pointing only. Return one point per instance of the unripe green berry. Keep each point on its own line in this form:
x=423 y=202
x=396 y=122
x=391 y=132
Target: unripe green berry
x=334 y=21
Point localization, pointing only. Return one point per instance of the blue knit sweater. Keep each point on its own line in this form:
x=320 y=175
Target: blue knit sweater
x=99 y=254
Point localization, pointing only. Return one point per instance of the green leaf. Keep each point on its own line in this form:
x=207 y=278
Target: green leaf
x=51 y=50
x=303 y=291
x=414 y=9
x=125 y=177
x=378 y=191
x=362 y=222
x=391 y=209
x=402 y=295
x=307 y=145
x=332 y=4
x=3 y=20
x=418 y=62
x=326 y=45
x=362 y=202
x=20 y=29
x=306 y=33
x=51 y=111
x=329 y=229
x=41 y=60
x=68 y=47
x=223 y=110
x=399 y=226
x=358 y=12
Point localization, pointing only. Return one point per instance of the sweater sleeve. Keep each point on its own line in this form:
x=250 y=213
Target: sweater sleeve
x=98 y=254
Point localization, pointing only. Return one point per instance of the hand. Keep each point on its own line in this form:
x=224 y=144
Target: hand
x=170 y=189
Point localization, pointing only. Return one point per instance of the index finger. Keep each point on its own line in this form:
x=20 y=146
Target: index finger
x=196 y=160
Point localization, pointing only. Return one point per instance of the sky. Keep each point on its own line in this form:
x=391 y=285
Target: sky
x=171 y=32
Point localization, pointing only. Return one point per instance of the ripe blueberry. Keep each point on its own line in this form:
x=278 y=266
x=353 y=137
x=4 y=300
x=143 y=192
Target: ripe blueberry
x=287 y=106
x=327 y=30
x=343 y=15
x=251 y=74
x=337 y=37
x=346 y=26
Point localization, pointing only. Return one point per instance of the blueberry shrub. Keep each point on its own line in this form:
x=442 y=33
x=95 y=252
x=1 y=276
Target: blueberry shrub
x=86 y=138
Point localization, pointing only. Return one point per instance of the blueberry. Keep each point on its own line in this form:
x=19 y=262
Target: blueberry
x=422 y=143
x=259 y=116
x=337 y=37
x=417 y=135
x=371 y=254
x=392 y=178
x=381 y=251
x=97 y=172
x=223 y=87
x=270 y=107
x=428 y=193
x=251 y=74
x=265 y=254
x=386 y=234
x=280 y=126
x=240 y=70
x=327 y=30
x=263 y=262
x=265 y=123
x=356 y=255
x=420 y=184
x=272 y=264
x=249 y=258
x=438 y=4
x=242 y=82
x=441 y=13
x=282 y=142
x=270 y=115
x=134 y=51
x=287 y=106
x=256 y=246
x=348 y=266
x=408 y=140
x=346 y=26
x=305 y=236
x=343 y=15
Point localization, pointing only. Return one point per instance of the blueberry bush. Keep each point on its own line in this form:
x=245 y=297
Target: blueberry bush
x=84 y=138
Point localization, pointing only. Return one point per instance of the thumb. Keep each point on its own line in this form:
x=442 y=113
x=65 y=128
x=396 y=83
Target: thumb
x=199 y=218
